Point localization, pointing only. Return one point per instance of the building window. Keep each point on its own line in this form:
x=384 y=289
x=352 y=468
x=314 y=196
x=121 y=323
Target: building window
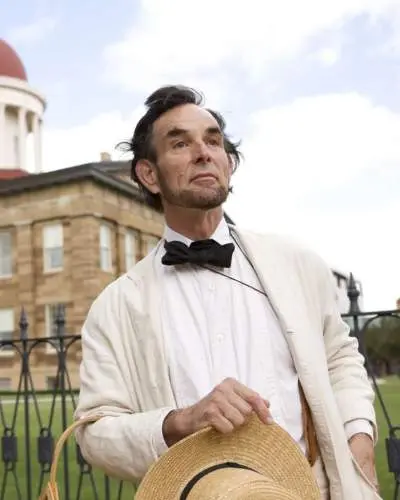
x=105 y=248
x=131 y=238
x=53 y=314
x=6 y=327
x=5 y=255
x=53 y=247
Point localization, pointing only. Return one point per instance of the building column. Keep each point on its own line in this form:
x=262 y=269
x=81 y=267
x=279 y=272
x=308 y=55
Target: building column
x=37 y=141
x=2 y=135
x=22 y=133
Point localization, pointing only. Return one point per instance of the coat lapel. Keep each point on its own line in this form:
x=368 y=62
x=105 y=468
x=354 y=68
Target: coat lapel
x=277 y=273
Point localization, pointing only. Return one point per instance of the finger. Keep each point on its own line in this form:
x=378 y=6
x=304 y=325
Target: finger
x=220 y=423
x=219 y=412
x=232 y=413
x=244 y=392
x=239 y=403
x=258 y=404
x=261 y=407
x=255 y=403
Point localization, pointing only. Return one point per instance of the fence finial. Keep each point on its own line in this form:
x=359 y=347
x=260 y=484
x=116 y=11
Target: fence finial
x=23 y=325
x=353 y=294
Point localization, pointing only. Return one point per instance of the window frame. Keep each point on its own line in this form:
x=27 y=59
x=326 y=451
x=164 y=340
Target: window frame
x=9 y=350
x=47 y=249
x=9 y=272
x=105 y=251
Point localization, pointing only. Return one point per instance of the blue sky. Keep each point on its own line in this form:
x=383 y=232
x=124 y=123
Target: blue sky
x=311 y=88
x=61 y=44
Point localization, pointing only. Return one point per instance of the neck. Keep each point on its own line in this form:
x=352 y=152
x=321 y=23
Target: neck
x=193 y=223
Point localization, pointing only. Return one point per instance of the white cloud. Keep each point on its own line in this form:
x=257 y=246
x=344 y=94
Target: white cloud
x=170 y=42
x=320 y=143
x=33 y=32
x=83 y=144
x=328 y=56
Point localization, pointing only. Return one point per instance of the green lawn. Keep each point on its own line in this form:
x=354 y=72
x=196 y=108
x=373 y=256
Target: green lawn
x=390 y=391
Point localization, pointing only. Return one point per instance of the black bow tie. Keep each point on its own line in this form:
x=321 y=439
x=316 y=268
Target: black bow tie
x=199 y=252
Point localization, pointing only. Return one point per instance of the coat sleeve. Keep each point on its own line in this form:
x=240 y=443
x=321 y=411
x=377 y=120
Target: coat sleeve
x=124 y=442
x=349 y=380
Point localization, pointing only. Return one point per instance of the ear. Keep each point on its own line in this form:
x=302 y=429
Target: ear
x=147 y=174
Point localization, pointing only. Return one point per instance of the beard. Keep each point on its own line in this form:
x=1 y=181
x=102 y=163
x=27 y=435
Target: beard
x=201 y=199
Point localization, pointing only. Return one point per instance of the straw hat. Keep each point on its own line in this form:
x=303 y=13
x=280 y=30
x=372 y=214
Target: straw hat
x=255 y=462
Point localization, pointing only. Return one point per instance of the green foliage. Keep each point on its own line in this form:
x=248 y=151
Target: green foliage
x=382 y=341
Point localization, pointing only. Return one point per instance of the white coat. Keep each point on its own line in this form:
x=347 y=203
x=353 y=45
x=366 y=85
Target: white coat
x=124 y=373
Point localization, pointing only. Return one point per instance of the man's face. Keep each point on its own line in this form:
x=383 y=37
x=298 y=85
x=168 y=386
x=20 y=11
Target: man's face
x=192 y=168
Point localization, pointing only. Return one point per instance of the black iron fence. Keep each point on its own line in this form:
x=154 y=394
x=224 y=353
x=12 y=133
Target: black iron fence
x=33 y=417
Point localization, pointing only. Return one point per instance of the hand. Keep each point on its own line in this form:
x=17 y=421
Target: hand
x=225 y=408
x=362 y=448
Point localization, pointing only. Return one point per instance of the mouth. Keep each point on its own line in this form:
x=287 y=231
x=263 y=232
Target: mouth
x=204 y=177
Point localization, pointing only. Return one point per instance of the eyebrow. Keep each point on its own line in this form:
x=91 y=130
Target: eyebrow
x=177 y=132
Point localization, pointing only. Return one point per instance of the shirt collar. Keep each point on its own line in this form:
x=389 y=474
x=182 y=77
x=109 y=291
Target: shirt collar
x=221 y=234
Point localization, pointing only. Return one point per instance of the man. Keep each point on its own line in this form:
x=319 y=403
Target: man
x=196 y=336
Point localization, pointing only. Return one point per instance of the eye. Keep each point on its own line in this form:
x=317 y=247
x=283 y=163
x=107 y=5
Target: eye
x=179 y=144
x=214 y=141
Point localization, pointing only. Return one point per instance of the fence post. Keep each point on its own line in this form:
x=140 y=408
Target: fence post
x=60 y=328
x=23 y=325
x=354 y=310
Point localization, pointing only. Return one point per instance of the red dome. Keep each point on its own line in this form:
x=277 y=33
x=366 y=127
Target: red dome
x=10 y=63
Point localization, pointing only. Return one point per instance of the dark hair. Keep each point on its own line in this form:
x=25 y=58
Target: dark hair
x=158 y=103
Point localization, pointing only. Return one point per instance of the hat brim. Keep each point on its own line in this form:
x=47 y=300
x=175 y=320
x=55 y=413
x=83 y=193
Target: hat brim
x=266 y=449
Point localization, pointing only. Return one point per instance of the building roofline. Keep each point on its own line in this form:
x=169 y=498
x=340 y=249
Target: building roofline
x=92 y=171
x=112 y=166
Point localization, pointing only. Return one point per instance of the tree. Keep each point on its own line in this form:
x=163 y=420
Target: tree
x=382 y=342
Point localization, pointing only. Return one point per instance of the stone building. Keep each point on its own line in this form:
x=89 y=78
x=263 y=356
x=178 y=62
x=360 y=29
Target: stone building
x=65 y=235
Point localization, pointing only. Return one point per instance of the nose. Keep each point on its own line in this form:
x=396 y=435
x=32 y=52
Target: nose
x=201 y=153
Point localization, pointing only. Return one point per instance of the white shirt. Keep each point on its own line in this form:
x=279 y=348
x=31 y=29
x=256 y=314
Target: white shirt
x=215 y=328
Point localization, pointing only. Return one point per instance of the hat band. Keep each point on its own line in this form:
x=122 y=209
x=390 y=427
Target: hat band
x=226 y=465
